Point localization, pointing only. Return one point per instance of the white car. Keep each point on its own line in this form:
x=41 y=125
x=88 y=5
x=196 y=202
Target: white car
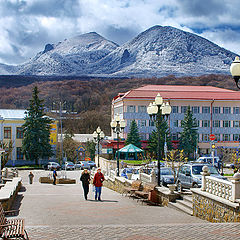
x=68 y=166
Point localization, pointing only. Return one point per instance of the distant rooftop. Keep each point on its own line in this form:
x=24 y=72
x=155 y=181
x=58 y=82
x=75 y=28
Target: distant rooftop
x=181 y=92
x=12 y=114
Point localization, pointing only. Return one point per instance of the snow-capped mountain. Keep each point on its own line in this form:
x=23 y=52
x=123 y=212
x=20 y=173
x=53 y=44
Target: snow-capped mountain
x=157 y=51
x=70 y=57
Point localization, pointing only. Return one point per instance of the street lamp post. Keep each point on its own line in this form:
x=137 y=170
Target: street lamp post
x=118 y=126
x=235 y=70
x=156 y=111
x=98 y=135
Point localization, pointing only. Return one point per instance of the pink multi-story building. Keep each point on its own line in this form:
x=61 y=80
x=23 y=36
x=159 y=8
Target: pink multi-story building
x=216 y=110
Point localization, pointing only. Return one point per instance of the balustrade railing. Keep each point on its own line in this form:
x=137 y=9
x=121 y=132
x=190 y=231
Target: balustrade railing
x=219 y=187
x=229 y=190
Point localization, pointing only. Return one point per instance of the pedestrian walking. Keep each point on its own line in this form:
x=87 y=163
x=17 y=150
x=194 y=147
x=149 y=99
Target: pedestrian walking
x=54 y=176
x=30 y=176
x=85 y=178
x=98 y=182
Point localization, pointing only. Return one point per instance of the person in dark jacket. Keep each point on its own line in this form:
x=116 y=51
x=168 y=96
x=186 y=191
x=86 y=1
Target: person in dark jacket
x=54 y=176
x=30 y=177
x=85 y=178
x=98 y=182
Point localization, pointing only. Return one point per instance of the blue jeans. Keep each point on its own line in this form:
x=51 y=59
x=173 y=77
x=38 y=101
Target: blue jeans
x=98 y=192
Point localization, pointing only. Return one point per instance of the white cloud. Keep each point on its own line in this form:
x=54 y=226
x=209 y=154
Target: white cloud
x=27 y=25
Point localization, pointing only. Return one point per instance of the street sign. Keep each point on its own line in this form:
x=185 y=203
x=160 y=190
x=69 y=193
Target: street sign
x=212 y=137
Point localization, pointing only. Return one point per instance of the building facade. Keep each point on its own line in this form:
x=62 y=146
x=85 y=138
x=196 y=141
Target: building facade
x=11 y=121
x=216 y=110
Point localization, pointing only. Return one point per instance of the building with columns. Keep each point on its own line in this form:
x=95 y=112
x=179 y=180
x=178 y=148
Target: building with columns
x=216 y=110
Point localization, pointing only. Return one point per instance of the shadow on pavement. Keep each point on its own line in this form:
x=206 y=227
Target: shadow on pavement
x=90 y=200
x=17 y=203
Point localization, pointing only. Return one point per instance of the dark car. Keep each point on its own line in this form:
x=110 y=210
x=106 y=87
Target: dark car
x=189 y=175
x=167 y=176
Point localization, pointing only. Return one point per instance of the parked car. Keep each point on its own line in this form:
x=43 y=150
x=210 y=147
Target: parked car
x=82 y=165
x=166 y=176
x=209 y=160
x=68 y=166
x=51 y=166
x=189 y=175
x=92 y=164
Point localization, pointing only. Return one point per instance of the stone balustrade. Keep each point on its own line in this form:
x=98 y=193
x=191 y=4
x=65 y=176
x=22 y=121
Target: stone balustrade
x=229 y=190
x=9 y=191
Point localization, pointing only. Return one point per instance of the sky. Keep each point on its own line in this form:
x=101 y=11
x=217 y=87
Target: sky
x=26 y=26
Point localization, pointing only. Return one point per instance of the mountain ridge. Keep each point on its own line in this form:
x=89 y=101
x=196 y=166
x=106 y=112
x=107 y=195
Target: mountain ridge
x=156 y=52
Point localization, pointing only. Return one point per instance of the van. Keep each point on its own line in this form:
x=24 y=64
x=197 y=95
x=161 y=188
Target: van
x=189 y=175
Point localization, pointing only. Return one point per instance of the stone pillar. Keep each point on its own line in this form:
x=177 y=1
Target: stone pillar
x=140 y=173
x=204 y=173
x=235 y=187
x=153 y=177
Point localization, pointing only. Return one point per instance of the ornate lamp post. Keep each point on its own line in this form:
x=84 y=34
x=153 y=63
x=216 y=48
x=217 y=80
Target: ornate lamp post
x=98 y=135
x=156 y=111
x=118 y=126
x=235 y=70
x=1 y=152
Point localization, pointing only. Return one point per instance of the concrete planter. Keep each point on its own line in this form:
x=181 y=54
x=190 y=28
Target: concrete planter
x=66 y=181
x=45 y=180
x=59 y=180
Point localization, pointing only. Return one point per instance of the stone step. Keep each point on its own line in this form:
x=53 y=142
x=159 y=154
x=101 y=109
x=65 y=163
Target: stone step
x=185 y=203
x=180 y=207
x=187 y=198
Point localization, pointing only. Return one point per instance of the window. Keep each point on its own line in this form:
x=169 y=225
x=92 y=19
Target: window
x=205 y=137
x=143 y=136
x=216 y=123
x=205 y=123
x=175 y=137
x=142 y=109
x=226 y=110
x=205 y=109
x=226 y=123
x=217 y=137
x=174 y=109
x=131 y=109
x=236 y=137
x=19 y=132
x=183 y=109
x=195 y=109
x=19 y=153
x=7 y=132
x=151 y=123
x=142 y=123
x=216 y=110
x=236 y=123
x=226 y=137
x=236 y=110
x=175 y=123
x=197 y=123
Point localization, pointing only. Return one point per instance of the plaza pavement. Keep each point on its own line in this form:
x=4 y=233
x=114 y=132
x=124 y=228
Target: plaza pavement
x=60 y=212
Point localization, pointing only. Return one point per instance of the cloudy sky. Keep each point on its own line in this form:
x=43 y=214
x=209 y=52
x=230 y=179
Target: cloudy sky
x=27 y=25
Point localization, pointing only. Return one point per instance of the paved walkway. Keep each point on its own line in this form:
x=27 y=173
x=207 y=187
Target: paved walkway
x=60 y=212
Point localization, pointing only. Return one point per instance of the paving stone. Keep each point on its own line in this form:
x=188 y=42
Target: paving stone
x=60 y=212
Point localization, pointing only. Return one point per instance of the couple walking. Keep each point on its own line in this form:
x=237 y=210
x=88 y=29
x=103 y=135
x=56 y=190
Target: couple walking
x=97 y=182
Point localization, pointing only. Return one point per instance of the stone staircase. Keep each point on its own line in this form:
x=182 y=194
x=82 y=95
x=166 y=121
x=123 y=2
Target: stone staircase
x=183 y=204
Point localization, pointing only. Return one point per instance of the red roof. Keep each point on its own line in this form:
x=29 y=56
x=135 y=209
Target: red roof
x=183 y=92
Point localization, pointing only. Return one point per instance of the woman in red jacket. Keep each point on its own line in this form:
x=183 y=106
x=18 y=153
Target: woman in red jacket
x=97 y=182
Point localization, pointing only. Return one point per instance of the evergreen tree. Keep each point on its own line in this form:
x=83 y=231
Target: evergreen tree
x=36 y=129
x=163 y=130
x=133 y=136
x=91 y=148
x=189 y=135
